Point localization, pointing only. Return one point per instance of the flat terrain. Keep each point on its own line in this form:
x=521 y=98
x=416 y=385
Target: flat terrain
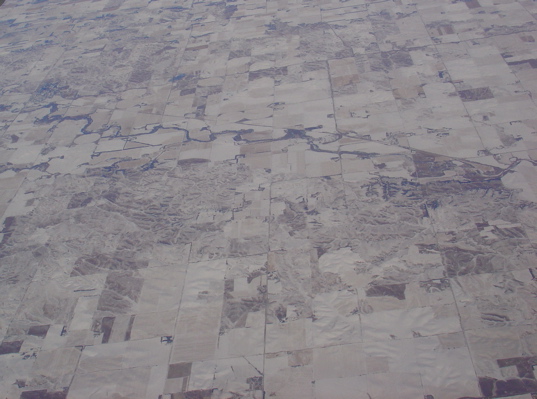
x=303 y=199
